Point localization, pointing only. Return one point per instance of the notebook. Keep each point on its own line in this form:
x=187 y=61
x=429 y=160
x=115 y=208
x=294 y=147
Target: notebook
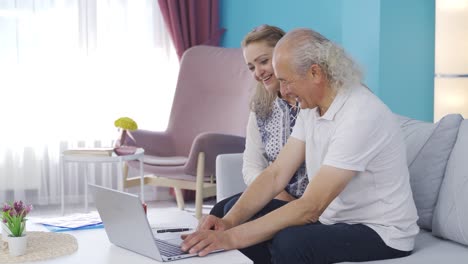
x=127 y=226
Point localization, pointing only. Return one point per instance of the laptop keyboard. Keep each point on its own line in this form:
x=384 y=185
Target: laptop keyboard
x=167 y=249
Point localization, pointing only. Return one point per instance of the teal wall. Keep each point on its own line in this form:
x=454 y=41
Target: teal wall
x=360 y=37
x=407 y=46
x=241 y=16
x=393 y=40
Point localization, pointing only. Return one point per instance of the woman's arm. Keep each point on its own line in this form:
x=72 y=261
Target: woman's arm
x=253 y=160
x=285 y=196
x=269 y=183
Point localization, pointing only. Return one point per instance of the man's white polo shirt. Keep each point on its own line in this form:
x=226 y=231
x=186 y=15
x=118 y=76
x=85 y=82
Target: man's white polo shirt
x=359 y=133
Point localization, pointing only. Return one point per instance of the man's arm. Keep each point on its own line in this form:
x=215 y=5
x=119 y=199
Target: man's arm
x=269 y=183
x=285 y=196
x=324 y=187
x=266 y=186
x=320 y=192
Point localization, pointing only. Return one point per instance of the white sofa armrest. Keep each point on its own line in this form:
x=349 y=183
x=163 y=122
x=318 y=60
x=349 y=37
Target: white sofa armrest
x=229 y=180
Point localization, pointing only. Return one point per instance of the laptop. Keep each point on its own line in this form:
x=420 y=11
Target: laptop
x=127 y=226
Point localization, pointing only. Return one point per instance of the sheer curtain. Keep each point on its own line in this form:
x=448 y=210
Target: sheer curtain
x=68 y=69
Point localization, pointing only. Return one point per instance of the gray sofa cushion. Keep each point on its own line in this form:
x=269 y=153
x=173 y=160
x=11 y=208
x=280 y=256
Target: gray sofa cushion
x=416 y=134
x=430 y=250
x=451 y=213
x=428 y=149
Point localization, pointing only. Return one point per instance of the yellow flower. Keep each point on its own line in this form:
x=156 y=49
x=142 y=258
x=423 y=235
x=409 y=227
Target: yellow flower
x=126 y=123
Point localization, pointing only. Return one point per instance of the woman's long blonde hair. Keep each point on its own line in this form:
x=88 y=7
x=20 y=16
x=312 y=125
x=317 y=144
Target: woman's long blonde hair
x=261 y=100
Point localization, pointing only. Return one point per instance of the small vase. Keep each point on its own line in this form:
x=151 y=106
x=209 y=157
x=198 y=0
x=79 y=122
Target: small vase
x=17 y=245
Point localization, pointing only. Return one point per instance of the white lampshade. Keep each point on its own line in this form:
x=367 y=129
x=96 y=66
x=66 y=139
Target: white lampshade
x=451 y=58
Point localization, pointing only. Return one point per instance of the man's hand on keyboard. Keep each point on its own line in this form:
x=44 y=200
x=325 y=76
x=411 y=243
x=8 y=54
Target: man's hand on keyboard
x=212 y=222
x=206 y=241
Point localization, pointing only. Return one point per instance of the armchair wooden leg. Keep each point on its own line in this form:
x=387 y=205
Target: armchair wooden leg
x=200 y=180
x=179 y=198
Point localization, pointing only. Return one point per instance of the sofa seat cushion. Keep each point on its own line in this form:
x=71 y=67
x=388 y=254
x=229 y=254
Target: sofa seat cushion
x=428 y=148
x=451 y=212
x=429 y=249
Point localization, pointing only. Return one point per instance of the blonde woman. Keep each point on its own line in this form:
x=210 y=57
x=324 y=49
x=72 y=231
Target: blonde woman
x=271 y=121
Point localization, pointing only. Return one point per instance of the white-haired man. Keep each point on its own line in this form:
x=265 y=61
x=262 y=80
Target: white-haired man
x=358 y=205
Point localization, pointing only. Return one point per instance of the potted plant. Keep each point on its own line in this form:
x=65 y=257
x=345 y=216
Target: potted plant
x=14 y=219
x=125 y=126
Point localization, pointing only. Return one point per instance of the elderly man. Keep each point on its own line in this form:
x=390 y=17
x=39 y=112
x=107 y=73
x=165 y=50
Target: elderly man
x=358 y=205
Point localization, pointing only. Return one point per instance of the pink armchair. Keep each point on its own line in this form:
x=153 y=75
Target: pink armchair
x=208 y=117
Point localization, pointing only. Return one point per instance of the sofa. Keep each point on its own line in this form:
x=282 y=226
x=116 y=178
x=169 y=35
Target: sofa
x=437 y=155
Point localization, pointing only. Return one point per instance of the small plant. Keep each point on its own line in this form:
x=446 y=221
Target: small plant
x=14 y=217
x=125 y=124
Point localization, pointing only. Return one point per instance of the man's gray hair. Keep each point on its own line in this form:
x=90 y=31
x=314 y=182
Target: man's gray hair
x=308 y=47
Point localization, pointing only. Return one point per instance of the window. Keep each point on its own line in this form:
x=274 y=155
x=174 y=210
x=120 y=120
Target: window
x=69 y=68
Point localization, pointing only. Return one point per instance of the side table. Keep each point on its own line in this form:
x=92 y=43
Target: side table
x=114 y=158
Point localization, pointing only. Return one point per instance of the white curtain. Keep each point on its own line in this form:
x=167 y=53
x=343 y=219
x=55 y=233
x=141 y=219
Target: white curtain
x=68 y=69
